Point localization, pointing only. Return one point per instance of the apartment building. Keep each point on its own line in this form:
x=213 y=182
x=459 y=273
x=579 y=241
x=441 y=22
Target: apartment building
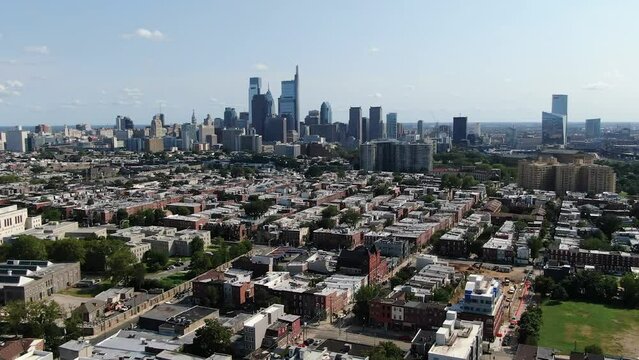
x=457 y=340
x=34 y=280
x=12 y=221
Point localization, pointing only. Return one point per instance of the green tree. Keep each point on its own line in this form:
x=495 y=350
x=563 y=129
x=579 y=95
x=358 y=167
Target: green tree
x=211 y=338
x=73 y=326
x=630 y=285
x=529 y=325
x=182 y=210
x=544 y=285
x=593 y=349
x=155 y=260
x=256 y=208
x=559 y=293
x=51 y=214
x=609 y=223
x=120 y=265
x=66 y=250
x=363 y=298
x=535 y=243
x=326 y=223
x=200 y=263
x=450 y=181
x=442 y=294
x=330 y=211
x=197 y=244
x=350 y=217
x=138 y=274
x=386 y=350
x=468 y=181
x=27 y=247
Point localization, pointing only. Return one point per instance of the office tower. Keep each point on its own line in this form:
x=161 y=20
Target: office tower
x=391 y=125
x=375 y=122
x=553 y=129
x=261 y=110
x=289 y=102
x=230 y=117
x=326 y=113
x=327 y=131
x=243 y=120
x=460 y=125
x=157 y=130
x=255 y=87
x=206 y=134
x=275 y=129
x=188 y=136
x=231 y=139
x=420 y=129
x=593 y=128
x=42 y=129
x=355 y=123
x=313 y=118
x=208 y=120
x=123 y=123
x=560 y=105
x=292 y=136
x=251 y=143
x=365 y=130
x=159 y=116
x=475 y=129
x=16 y=140
x=193 y=119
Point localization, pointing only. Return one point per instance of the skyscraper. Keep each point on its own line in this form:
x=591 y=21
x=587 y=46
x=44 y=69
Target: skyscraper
x=460 y=126
x=420 y=129
x=261 y=109
x=593 y=128
x=157 y=130
x=123 y=123
x=230 y=117
x=375 y=122
x=326 y=113
x=188 y=135
x=16 y=140
x=553 y=129
x=391 y=125
x=193 y=119
x=255 y=87
x=560 y=105
x=365 y=130
x=313 y=118
x=355 y=123
x=289 y=102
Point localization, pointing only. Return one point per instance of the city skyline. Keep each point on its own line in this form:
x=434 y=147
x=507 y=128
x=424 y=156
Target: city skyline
x=148 y=60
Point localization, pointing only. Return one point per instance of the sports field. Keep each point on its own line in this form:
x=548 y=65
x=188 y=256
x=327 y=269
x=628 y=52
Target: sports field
x=615 y=330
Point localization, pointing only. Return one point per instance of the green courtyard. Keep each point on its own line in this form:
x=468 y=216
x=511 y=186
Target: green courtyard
x=615 y=330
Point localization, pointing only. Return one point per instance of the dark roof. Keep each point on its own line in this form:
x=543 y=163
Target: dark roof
x=583 y=356
x=339 y=346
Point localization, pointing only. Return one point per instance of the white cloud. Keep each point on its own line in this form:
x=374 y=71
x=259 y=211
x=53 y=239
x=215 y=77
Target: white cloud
x=10 y=88
x=373 y=49
x=260 y=67
x=598 y=85
x=376 y=95
x=132 y=92
x=142 y=33
x=73 y=104
x=36 y=49
x=129 y=96
x=15 y=83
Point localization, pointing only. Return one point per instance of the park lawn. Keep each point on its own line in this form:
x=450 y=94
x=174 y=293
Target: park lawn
x=174 y=280
x=87 y=292
x=615 y=330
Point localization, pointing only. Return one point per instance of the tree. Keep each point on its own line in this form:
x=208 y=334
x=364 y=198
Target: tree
x=330 y=211
x=155 y=260
x=182 y=210
x=200 y=263
x=51 y=214
x=593 y=349
x=559 y=293
x=138 y=274
x=442 y=294
x=256 y=208
x=73 y=326
x=386 y=350
x=35 y=319
x=450 y=181
x=326 y=223
x=197 y=244
x=535 y=243
x=211 y=338
x=544 y=285
x=428 y=198
x=468 y=181
x=350 y=217
x=120 y=265
x=630 y=285
x=27 y=247
x=66 y=250
x=529 y=325
x=363 y=299
x=609 y=223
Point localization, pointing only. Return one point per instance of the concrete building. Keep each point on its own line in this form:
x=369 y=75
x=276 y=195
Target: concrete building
x=593 y=128
x=391 y=125
x=546 y=173
x=393 y=155
x=355 y=124
x=288 y=150
x=483 y=301
x=16 y=140
x=255 y=327
x=12 y=221
x=460 y=129
x=457 y=340
x=34 y=280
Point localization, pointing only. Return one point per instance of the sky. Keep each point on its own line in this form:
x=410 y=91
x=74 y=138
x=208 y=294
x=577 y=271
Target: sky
x=70 y=62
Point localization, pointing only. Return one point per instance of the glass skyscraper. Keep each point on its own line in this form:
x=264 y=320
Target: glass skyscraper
x=326 y=114
x=289 y=102
x=391 y=125
x=553 y=129
x=255 y=86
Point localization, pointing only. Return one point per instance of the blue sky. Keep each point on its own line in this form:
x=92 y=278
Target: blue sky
x=67 y=62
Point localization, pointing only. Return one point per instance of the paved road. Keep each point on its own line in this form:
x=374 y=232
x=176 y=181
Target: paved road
x=165 y=273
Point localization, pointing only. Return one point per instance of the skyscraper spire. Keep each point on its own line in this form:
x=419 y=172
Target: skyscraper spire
x=193 y=119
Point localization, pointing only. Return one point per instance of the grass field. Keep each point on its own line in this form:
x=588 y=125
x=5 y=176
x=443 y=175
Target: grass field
x=615 y=330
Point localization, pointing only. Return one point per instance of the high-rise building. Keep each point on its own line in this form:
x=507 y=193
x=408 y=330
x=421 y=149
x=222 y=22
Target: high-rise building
x=243 y=120
x=393 y=155
x=208 y=120
x=460 y=128
x=230 y=117
x=560 y=105
x=231 y=138
x=355 y=123
x=251 y=143
x=391 y=125
x=157 y=129
x=375 y=122
x=593 y=128
x=326 y=113
x=43 y=129
x=365 y=129
x=553 y=129
x=289 y=101
x=313 y=118
x=546 y=173
x=261 y=110
x=159 y=116
x=193 y=119
x=16 y=140
x=206 y=134
x=188 y=135
x=123 y=123
x=275 y=129
x=255 y=88
x=420 y=129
